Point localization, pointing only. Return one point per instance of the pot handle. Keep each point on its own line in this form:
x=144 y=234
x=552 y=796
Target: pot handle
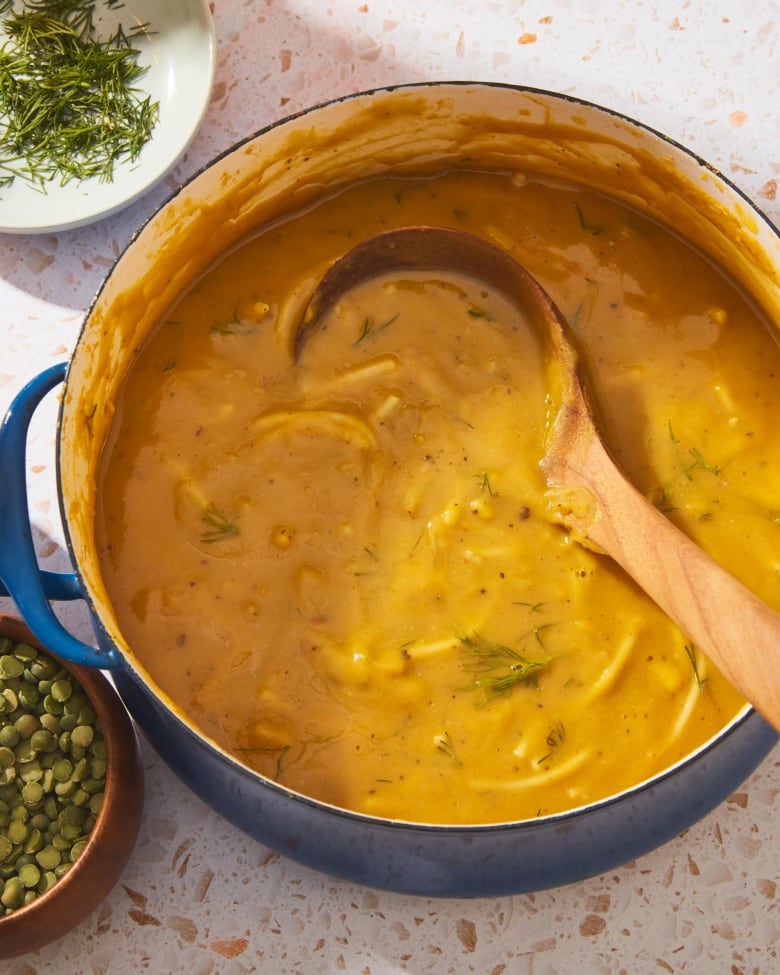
x=20 y=577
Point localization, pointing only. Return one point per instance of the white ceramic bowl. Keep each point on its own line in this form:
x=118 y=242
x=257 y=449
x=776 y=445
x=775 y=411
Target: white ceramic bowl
x=179 y=49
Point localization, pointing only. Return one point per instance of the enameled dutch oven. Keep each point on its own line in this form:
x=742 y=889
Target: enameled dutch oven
x=414 y=129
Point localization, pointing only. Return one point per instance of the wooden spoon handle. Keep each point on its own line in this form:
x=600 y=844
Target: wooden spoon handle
x=737 y=631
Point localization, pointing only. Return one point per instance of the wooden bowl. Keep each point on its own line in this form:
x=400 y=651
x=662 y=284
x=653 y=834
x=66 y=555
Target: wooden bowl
x=112 y=839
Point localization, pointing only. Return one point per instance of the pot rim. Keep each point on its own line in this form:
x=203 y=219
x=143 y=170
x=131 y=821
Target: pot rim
x=417 y=85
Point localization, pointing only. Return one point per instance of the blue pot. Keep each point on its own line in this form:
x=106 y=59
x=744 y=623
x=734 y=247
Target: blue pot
x=413 y=129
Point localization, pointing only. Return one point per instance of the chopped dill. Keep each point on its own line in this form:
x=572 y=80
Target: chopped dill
x=664 y=504
x=497 y=669
x=484 y=479
x=69 y=105
x=534 y=607
x=686 y=467
x=691 y=652
x=699 y=460
x=444 y=744
x=592 y=229
x=219 y=525
x=536 y=633
x=555 y=737
x=371 y=328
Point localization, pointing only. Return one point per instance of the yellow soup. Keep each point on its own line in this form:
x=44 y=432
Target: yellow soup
x=344 y=569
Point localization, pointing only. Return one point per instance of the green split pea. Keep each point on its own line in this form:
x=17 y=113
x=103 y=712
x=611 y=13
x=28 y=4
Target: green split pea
x=52 y=772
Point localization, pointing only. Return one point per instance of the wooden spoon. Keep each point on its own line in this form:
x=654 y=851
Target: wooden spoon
x=589 y=493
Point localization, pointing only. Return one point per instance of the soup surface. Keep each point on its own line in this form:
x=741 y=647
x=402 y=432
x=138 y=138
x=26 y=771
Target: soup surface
x=344 y=568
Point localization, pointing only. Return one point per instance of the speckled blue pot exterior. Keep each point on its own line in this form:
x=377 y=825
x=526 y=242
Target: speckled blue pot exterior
x=409 y=129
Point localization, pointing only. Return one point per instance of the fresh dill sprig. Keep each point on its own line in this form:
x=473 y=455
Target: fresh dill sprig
x=484 y=480
x=220 y=526
x=592 y=228
x=536 y=632
x=699 y=460
x=444 y=744
x=691 y=652
x=69 y=105
x=498 y=669
x=555 y=737
x=373 y=328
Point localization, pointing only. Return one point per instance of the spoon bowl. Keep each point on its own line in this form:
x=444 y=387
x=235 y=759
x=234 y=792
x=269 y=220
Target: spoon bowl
x=588 y=493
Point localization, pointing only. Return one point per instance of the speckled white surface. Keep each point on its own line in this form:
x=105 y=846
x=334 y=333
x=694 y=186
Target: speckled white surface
x=200 y=898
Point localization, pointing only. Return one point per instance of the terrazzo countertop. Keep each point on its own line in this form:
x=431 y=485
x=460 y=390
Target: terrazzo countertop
x=200 y=897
